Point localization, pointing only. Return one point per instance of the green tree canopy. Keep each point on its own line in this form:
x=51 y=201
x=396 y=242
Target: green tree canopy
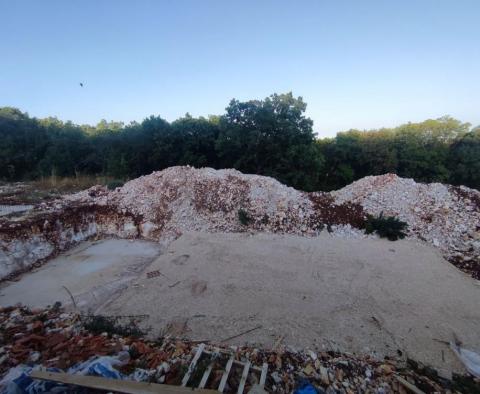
x=271 y=137
x=268 y=137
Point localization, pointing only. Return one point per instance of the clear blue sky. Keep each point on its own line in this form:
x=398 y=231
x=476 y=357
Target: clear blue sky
x=358 y=64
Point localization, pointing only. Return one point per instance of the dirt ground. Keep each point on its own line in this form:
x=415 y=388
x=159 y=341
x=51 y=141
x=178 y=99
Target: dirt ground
x=352 y=295
x=368 y=295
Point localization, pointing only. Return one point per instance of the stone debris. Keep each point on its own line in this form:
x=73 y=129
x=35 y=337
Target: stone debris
x=183 y=198
x=447 y=217
x=52 y=338
x=162 y=205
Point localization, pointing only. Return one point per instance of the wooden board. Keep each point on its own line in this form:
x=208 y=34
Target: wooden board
x=408 y=385
x=120 y=386
x=207 y=372
x=223 y=382
x=243 y=380
x=263 y=376
x=193 y=364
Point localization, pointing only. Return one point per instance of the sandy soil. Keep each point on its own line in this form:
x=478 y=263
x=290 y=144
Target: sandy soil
x=352 y=295
x=93 y=272
x=367 y=295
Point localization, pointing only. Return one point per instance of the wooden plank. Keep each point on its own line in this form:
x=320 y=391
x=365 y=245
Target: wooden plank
x=263 y=376
x=193 y=364
x=205 y=376
x=223 y=382
x=120 y=386
x=243 y=380
x=408 y=385
x=241 y=333
x=229 y=353
x=207 y=372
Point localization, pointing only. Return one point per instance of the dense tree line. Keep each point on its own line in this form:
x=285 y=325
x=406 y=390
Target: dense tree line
x=442 y=150
x=270 y=137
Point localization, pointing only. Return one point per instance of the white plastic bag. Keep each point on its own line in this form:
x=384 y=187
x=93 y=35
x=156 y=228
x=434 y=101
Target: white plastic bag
x=470 y=359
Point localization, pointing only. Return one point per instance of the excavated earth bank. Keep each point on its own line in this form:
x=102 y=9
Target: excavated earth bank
x=162 y=205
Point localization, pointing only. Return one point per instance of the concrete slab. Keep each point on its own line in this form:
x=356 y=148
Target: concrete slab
x=93 y=272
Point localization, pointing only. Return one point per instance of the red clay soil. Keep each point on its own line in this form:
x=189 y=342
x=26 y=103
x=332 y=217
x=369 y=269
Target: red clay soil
x=471 y=267
x=466 y=195
x=328 y=213
x=75 y=218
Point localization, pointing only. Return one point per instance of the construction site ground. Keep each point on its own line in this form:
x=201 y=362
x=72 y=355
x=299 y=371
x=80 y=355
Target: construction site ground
x=92 y=272
x=324 y=293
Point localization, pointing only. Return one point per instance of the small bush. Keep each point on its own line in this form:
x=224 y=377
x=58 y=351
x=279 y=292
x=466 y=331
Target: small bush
x=98 y=324
x=265 y=219
x=112 y=185
x=243 y=216
x=386 y=227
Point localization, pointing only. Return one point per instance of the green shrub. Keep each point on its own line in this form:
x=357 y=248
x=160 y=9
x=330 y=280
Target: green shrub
x=265 y=219
x=386 y=227
x=98 y=324
x=244 y=217
x=112 y=185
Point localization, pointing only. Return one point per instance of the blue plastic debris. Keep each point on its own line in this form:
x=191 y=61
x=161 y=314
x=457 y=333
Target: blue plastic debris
x=305 y=387
x=18 y=380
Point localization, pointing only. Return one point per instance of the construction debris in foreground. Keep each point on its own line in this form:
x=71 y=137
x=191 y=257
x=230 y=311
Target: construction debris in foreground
x=55 y=339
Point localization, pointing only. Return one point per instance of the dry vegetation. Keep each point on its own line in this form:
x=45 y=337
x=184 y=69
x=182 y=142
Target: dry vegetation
x=47 y=188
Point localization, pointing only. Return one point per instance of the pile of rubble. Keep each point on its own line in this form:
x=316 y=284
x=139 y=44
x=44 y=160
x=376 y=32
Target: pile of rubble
x=55 y=339
x=183 y=198
x=162 y=205
x=448 y=217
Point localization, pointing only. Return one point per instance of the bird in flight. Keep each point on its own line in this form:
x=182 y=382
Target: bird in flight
x=81 y=84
